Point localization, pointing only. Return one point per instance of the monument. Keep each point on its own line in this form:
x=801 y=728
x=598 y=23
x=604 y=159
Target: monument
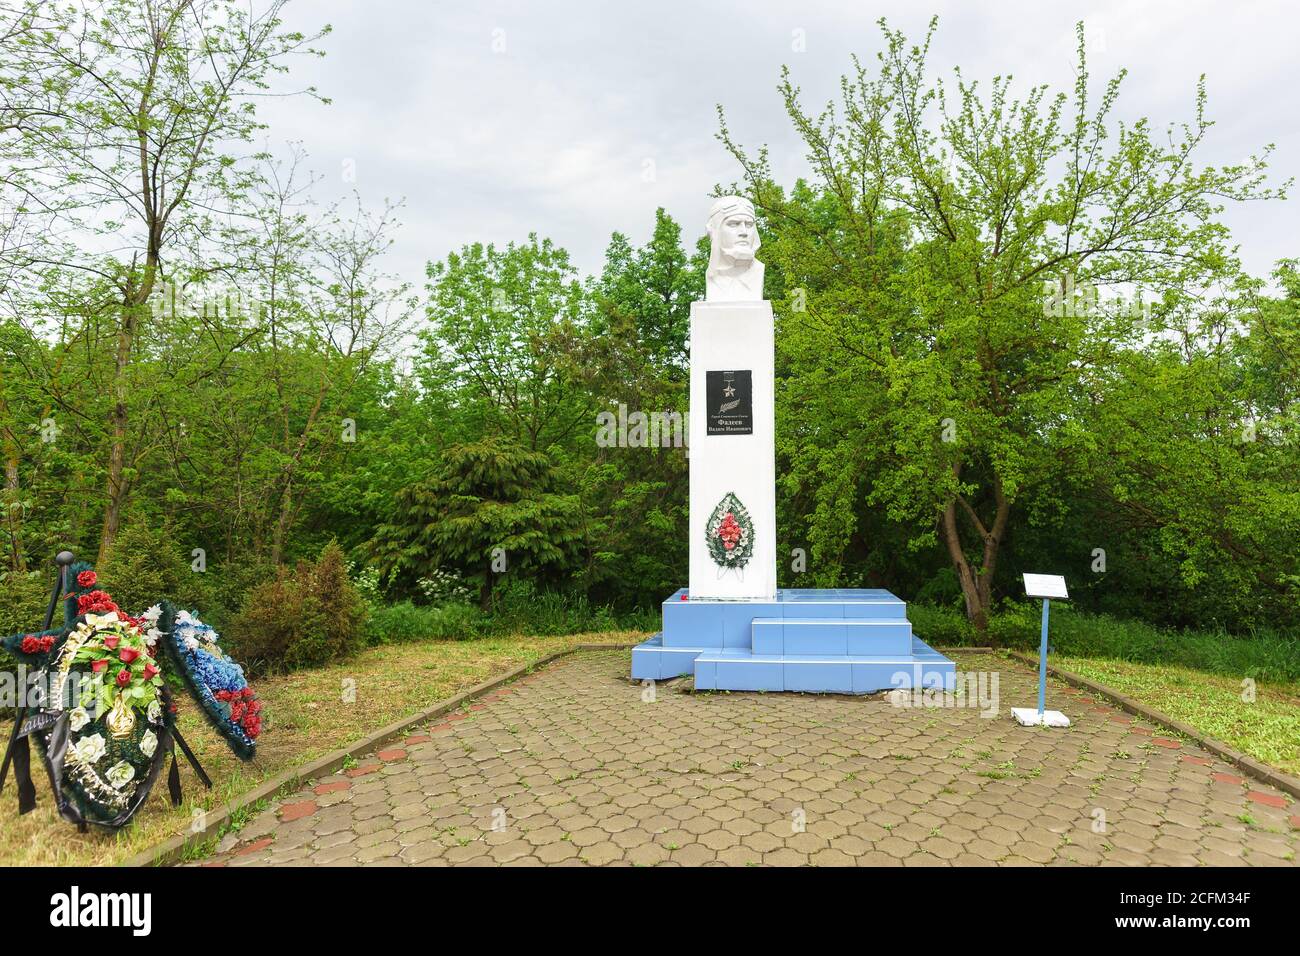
x=733 y=411
x=732 y=627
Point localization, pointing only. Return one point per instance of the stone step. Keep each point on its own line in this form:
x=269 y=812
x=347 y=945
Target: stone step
x=825 y=635
x=728 y=623
x=651 y=660
x=739 y=670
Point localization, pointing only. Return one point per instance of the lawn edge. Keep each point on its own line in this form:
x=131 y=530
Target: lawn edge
x=1247 y=764
x=173 y=849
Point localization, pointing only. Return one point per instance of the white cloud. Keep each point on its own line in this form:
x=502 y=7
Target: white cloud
x=553 y=134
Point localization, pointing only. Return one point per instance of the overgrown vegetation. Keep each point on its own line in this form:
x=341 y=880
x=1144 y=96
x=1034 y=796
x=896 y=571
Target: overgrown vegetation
x=307 y=618
x=1263 y=721
x=1264 y=654
x=520 y=609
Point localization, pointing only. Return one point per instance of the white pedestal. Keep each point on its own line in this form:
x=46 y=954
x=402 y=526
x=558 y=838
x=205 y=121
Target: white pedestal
x=1028 y=717
x=733 y=337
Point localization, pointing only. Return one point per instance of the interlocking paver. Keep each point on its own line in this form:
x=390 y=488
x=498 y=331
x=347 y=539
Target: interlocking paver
x=573 y=767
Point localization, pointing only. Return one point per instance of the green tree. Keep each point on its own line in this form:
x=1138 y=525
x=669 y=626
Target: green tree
x=491 y=508
x=652 y=287
x=1194 y=471
x=635 y=499
x=145 y=566
x=506 y=338
x=129 y=112
x=332 y=613
x=918 y=279
x=329 y=316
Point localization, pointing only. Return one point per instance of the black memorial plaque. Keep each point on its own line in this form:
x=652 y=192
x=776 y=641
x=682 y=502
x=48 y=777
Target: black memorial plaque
x=730 y=399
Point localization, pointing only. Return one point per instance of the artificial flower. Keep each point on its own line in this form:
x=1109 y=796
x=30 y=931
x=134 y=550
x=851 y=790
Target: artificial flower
x=120 y=774
x=78 y=718
x=111 y=642
x=244 y=710
x=154 y=712
x=99 y=666
x=124 y=677
x=150 y=672
x=90 y=749
x=148 y=743
x=219 y=673
x=86 y=579
x=36 y=643
x=95 y=602
x=729 y=531
x=127 y=654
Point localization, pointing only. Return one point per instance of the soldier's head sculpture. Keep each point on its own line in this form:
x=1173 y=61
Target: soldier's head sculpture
x=733 y=274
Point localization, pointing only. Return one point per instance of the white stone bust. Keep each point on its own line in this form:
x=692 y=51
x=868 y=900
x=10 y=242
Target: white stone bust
x=733 y=275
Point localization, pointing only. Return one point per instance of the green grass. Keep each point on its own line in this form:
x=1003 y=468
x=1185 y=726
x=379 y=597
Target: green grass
x=1265 y=656
x=1267 y=729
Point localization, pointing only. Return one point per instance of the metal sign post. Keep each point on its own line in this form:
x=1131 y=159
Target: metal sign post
x=1045 y=586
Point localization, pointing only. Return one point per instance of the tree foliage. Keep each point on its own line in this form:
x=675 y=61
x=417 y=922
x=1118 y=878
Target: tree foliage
x=194 y=357
x=491 y=506
x=935 y=370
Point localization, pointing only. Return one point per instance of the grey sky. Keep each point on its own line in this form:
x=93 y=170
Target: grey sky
x=554 y=132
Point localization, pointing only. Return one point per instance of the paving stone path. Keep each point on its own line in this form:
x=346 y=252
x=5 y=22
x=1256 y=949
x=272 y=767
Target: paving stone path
x=574 y=765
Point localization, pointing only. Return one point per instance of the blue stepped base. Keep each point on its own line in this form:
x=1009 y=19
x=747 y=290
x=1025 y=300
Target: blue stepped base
x=846 y=641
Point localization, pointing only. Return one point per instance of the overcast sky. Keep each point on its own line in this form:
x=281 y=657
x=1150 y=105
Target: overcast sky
x=495 y=119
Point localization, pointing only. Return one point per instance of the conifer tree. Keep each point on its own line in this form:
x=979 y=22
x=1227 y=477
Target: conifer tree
x=490 y=509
